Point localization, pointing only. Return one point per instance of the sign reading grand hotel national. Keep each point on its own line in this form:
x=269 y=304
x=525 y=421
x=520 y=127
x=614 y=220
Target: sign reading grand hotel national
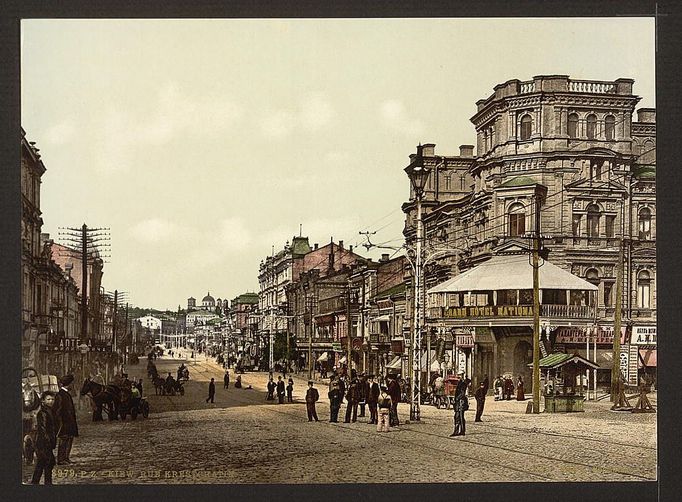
x=491 y=311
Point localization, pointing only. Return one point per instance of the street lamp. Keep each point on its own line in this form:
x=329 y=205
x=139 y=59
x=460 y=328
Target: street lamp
x=418 y=174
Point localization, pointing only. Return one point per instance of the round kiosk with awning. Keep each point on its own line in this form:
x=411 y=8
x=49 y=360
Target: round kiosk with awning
x=493 y=304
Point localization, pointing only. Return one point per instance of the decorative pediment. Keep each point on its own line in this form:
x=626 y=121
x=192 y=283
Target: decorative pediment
x=512 y=246
x=595 y=185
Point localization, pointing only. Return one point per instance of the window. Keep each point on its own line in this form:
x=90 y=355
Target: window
x=593 y=216
x=525 y=297
x=507 y=296
x=517 y=220
x=576 y=225
x=592 y=276
x=554 y=297
x=645 y=224
x=596 y=169
x=447 y=182
x=610 y=226
x=644 y=289
x=526 y=127
x=461 y=181
x=591 y=126
x=573 y=125
x=610 y=127
x=607 y=294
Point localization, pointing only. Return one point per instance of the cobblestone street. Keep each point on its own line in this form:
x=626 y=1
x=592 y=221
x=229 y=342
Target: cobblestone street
x=243 y=438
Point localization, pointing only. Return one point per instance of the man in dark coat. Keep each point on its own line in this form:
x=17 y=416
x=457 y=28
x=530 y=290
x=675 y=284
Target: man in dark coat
x=508 y=388
x=342 y=388
x=271 y=389
x=211 y=391
x=290 y=390
x=461 y=405
x=372 y=400
x=226 y=380
x=280 y=390
x=46 y=440
x=352 y=398
x=363 y=389
x=480 y=401
x=65 y=420
x=394 y=392
x=334 y=402
x=311 y=397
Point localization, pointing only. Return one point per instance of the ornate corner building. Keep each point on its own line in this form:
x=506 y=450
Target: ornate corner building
x=573 y=147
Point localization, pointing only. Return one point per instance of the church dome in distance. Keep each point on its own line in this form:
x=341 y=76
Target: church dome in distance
x=208 y=298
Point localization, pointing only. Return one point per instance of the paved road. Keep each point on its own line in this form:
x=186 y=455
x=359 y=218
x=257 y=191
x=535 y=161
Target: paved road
x=243 y=438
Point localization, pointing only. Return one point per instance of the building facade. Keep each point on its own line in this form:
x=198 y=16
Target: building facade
x=573 y=148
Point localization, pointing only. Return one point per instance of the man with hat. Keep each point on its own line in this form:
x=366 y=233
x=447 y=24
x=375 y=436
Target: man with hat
x=65 y=420
x=372 y=400
x=363 y=389
x=311 y=397
x=461 y=405
x=334 y=401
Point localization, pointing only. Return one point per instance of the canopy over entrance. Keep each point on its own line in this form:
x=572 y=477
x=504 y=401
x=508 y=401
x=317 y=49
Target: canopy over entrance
x=511 y=272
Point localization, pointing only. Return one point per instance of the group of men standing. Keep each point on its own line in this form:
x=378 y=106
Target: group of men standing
x=504 y=388
x=281 y=389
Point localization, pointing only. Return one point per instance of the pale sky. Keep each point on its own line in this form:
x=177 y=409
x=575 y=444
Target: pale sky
x=203 y=143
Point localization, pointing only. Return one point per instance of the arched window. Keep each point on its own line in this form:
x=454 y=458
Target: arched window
x=610 y=127
x=526 y=127
x=517 y=219
x=644 y=289
x=593 y=217
x=648 y=146
x=573 y=125
x=592 y=275
x=591 y=126
x=645 y=224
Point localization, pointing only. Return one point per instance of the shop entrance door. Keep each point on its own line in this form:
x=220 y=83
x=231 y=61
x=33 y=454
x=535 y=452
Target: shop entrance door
x=523 y=355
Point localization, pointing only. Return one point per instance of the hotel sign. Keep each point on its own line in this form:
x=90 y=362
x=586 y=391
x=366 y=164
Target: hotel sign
x=643 y=335
x=491 y=311
x=464 y=341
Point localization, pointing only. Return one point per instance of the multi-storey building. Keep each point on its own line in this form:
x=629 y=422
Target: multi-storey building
x=573 y=148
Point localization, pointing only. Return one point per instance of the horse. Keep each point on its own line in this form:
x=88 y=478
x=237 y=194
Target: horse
x=159 y=385
x=109 y=396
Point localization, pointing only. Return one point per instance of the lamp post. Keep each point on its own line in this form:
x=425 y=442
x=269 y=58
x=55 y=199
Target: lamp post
x=418 y=174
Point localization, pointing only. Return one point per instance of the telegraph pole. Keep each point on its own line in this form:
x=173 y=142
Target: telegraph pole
x=349 y=328
x=617 y=322
x=536 y=308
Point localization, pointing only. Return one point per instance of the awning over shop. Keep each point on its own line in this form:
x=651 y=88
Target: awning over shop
x=647 y=357
x=435 y=365
x=323 y=357
x=395 y=364
x=557 y=360
x=511 y=272
x=604 y=357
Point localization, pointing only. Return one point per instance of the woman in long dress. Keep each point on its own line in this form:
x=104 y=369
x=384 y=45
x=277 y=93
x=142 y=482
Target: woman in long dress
x=520 y=393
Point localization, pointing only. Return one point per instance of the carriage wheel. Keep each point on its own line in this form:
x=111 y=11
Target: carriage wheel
x=145 y=409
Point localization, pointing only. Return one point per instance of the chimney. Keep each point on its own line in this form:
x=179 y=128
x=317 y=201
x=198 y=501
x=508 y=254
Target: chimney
x=315 y=246
x=429 y=149
x=350 y=248
x=341 y=244
x=384 y=257
x=647 y=115
x=466 y=151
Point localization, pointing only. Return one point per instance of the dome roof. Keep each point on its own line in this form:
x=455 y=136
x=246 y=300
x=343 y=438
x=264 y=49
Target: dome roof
x=208 y=298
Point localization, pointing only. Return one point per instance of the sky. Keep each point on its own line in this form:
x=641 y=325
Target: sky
x=202 y=144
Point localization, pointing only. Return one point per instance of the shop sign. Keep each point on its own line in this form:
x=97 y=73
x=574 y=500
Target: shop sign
x=624 y=363
x=643 y=335
x=461 y=361
x=384 y=304
x=464 y=341
x=336 y=346
x=584 y=335
x=490 y=311
x=397 y=346
x=483 y=335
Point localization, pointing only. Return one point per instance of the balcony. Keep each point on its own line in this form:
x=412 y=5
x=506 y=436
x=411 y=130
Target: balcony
x=498 y=312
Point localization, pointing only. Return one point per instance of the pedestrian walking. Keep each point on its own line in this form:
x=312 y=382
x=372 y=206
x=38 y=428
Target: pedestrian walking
x=394 y=392
x=363 y=392
x=480 y=401
x=508 y=388
x=271 y=389
x=384 y=404
x=520 y=392
x=238 y=382
x=498 y=384
x=280 y=390
x=211 y=391
x=311 y=397
x=46 y=440
x=226 y=380
x=290 y=390
x=334 y=401
x=65 y=420
x=461 y=405
x=352 y=398
x=372 y=400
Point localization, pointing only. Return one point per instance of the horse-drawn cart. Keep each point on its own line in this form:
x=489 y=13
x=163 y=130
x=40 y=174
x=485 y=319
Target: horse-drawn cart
x=33 y=385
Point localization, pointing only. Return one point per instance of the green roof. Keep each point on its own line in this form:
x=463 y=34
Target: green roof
x=554 y=359
x=397 y=289
x=247 y=298
x=519 y=181
x=300 y=246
